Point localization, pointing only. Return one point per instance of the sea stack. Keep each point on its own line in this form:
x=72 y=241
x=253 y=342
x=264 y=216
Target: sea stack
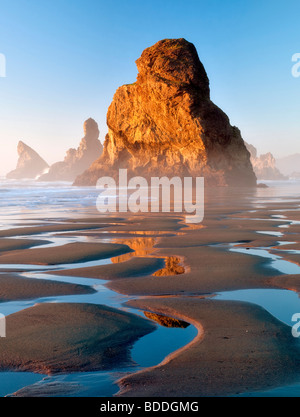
x=30 y=164
x=166 y=125
x=77 y=160
x=264 y=165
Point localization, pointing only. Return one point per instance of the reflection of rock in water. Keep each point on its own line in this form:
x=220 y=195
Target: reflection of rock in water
x=141 y=246
x=172 y=267
x=144 y=247
x=166 y=321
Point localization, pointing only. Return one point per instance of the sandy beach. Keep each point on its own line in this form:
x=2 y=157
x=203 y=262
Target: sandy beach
x=168 y=273
x=51 y=338
x=236 y=343
x=14 y=287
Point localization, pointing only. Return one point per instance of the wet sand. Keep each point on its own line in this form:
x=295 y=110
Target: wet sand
x=208 y=270
x=14 y=287
x=237 y=342
x=7 y=245
x=50 y=389
x=51 y=338
x=66 y=254
x=134 y=267
x=174 y=270
x=289 y=282
x=37 y=230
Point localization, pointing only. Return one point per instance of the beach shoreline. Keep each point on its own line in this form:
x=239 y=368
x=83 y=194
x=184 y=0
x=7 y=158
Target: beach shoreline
x=166 y=267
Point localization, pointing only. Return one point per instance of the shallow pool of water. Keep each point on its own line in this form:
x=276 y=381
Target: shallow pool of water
x=276 y=261
x=148 y=351
x=282 y=304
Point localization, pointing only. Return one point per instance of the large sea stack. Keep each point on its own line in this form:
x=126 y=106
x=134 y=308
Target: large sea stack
x=30 y=164
x=77 y=160
x=166 y=124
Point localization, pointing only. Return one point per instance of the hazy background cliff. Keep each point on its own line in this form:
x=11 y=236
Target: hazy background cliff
x=30 y=165
x=265 y=165
x=77 y=160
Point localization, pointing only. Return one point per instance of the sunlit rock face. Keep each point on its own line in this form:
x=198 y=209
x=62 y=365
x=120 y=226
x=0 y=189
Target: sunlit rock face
x=30 y=164
x=264 y=165
x=77 y=160
x=166 y=124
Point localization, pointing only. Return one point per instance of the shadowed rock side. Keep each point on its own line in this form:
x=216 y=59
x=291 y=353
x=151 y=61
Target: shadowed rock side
x=30 y=164
x=166 y=124
x=76 y=161
x=264 y=165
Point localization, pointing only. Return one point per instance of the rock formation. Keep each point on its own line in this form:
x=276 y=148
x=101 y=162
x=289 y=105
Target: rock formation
x=264 y=165
x=166 y=124
x=30 y=164
x=77 y=160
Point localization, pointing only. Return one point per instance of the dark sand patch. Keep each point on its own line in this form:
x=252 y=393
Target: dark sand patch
x=48 y=389
x=213 y=235
x=139 y=222
x=13 y=287
x=17 y=244
x=61 y=338
x=264 y=242
x=288 y=282
x=113 y=235
x=135 y=267
x=240 y=348
x=66 y=254
x=99 y=220
x=152 y=223
x=36 y=230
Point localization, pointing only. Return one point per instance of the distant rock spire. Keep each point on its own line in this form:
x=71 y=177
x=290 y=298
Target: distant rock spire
x=264 y=165
x=30 y=164
x=77 y=160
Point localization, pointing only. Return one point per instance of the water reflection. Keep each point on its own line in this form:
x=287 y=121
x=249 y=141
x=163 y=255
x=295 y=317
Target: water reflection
x=142 y=247
x=166 y=321
x=172 y=267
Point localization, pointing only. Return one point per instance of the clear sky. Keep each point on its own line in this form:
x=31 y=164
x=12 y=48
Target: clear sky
x=66 y=58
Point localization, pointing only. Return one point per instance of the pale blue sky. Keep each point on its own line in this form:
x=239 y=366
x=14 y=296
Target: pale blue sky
x=66 y=58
